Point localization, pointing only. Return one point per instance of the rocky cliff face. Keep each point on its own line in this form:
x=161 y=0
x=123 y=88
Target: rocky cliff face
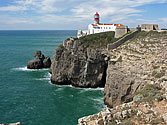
x=136 y=72
x=133 y=65
x=74 y=64
x=120 y=86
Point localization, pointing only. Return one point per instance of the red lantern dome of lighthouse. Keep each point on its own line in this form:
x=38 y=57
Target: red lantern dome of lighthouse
x=96 y=18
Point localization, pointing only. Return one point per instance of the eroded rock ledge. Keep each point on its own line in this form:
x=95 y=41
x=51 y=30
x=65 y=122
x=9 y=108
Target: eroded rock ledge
x=75 y=64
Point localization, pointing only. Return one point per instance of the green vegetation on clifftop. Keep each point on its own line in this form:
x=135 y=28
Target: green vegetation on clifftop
x=99 y=40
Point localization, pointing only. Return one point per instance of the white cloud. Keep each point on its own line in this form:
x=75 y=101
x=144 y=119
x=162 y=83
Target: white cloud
x=4 y=19
x=43 y=6
x=13 y=8
x=25 y=2
x=79 y=11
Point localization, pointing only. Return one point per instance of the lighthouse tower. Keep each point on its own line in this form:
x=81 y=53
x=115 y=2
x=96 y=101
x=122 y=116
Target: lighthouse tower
x=96 y=18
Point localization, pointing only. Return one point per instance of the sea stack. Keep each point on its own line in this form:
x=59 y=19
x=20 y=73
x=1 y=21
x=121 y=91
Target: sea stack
x=40 y=61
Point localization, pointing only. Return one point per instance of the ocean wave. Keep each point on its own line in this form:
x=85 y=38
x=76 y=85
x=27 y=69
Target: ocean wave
x=98 y=100
x=84 y=89
x=99 y=103
x=45 y=77
x=89 y=89
x=25 y=69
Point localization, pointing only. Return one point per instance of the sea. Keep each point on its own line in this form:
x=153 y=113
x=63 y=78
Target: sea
x=28 y=96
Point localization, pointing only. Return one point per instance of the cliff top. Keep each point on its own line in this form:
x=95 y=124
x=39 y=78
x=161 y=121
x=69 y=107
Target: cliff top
x=99 y=40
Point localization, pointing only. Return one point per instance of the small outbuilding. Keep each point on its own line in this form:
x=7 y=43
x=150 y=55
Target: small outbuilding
x=149 y=27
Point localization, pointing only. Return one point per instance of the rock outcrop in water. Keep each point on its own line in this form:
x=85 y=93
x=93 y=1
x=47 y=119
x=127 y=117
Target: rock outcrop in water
x=80 y=66
x=40 y=61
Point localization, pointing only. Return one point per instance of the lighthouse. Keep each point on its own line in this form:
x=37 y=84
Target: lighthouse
x=96 y=18
x=98 y=27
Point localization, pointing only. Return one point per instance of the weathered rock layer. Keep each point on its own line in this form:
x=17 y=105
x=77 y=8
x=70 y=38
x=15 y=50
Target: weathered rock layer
x=77 y=65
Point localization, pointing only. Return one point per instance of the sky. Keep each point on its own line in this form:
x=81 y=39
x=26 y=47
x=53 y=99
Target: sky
x=77 y=14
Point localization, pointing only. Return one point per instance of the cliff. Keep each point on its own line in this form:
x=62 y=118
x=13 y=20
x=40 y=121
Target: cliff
x=80 y=62
x=133 y=75
x=135 y=89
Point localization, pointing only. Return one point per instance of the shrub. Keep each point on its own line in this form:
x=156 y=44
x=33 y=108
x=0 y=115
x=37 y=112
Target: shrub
x=158 y=97
x=138 y=97
x=158 y=74
x=149 y=92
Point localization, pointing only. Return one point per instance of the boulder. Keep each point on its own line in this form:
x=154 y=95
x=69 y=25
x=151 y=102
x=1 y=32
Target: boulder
x=74 y=64
x=40 y=61
x=35 y=64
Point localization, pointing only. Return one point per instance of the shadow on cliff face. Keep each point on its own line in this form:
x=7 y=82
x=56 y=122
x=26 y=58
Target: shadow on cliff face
x=104 y=76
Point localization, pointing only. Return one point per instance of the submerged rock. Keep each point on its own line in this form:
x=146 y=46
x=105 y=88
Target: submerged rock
x=40 y=61
x=74 y=64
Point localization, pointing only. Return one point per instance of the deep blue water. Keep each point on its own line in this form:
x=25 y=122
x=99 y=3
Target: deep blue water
x=28 y=96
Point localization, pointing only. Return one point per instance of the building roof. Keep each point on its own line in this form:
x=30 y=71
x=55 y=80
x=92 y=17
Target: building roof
x=108 y=24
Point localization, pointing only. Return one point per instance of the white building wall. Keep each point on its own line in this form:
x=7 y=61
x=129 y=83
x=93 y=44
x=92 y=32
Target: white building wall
x=82 y=33
x=92 y=29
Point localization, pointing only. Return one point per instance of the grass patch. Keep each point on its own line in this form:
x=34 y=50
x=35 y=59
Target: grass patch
x=150 y=35
x=126 y=108
x=119 y=59
x=158 y=74
x=99 y=40
x=112 y=123
x=155 y=67
x=126 y=34
x=128 y=122
x=149 y=92
x=157 y=121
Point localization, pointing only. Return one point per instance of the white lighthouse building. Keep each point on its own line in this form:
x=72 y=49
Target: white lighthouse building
x=98 y=27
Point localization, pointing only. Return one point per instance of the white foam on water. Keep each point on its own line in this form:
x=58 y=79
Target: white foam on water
x=99 y=103
x=43 y=79
x=84 y=89
x=70 y=86
x=90 y=89
x=46 y=77
x=25 y=69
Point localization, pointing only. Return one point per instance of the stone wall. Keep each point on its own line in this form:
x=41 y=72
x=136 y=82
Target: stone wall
x=132 y=29
x=120 y=31
x=121 y=41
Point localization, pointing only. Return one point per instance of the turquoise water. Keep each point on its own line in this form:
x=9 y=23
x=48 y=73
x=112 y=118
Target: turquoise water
x=27 y=95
